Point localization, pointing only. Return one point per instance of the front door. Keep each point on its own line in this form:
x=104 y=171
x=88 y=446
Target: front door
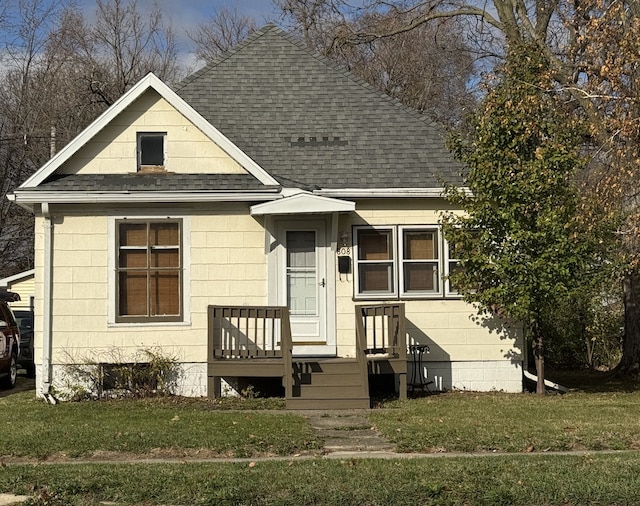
x=302 y=284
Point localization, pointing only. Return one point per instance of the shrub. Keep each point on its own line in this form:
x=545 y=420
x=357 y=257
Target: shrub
x=150 y=372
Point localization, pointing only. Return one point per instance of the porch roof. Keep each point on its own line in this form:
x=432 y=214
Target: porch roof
x=303 y=203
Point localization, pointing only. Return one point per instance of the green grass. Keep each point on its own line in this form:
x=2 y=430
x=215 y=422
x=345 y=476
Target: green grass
x=161 y=426
x=517 y=480
x=597 y=418
x=513 y=422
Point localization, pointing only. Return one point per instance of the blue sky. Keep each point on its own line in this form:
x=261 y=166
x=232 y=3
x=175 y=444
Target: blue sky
x=185 y=15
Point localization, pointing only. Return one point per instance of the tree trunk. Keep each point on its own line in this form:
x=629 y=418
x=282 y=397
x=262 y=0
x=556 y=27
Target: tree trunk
x=538 y=356
x=630 y=363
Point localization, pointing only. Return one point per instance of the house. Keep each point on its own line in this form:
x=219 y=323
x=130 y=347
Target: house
x=22 y=283
x=271 y=208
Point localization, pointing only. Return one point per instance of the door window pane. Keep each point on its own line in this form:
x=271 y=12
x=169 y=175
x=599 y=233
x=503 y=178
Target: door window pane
x=302 y=282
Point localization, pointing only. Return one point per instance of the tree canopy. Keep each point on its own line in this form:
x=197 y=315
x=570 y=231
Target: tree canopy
x=518 y=239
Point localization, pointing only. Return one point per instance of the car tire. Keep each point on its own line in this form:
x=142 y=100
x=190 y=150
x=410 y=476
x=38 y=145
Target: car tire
x=9 y=380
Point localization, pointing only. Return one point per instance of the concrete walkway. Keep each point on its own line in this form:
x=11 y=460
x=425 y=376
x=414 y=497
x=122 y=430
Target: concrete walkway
x=347 y=431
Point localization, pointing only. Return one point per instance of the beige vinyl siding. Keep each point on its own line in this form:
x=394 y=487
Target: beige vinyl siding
x=450 y=327
x=225 y=264
x=25 y=288
x=113 y=150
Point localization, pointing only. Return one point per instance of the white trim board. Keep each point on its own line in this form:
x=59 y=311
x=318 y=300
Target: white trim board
x=4 y=282
x=150 y=81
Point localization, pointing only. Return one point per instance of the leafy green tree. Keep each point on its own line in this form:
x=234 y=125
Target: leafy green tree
x=519 y=240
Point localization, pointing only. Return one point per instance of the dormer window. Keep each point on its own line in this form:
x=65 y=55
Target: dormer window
x=151 y=155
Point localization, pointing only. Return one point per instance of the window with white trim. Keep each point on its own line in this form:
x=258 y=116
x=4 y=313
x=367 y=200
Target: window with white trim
x=151 y=150
x=420 y=261
x=375 y=260
x=401 y=261
x=452 y=266
x=149 y=270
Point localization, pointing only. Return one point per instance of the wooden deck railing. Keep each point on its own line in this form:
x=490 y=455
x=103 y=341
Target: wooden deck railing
x=381 y=335
x=381 y=330
x=249 y=339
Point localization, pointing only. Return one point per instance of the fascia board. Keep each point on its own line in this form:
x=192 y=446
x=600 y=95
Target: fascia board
x=57 y=197
x=120 y=105
x=384 y=192
x=4 y=282
x=381 y=192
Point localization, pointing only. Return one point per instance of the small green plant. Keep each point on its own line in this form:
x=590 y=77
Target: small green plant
x=150 y=372
x=249 y=392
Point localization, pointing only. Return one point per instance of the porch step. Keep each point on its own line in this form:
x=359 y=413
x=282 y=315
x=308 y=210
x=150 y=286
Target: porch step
x=326 y=365
x=328 y=384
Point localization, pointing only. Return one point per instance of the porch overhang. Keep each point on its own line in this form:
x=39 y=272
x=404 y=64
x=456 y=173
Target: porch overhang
x=303 y=203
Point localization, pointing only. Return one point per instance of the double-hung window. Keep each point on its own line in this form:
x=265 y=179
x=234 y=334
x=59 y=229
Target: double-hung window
x=375 y=260
x=149 y=270
x=420 y=262
x=404 y=261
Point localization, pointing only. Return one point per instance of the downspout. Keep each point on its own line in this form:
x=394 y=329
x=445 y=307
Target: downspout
x=47 y=276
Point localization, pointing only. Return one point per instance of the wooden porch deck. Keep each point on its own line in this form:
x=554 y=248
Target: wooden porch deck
x=255 y=342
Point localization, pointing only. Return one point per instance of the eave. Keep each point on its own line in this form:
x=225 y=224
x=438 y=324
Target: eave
x=28 y=199
x=360 y=193
x=381 y=192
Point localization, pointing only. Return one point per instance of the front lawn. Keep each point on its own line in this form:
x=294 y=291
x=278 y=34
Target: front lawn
x=146 y=427
x=515 y=479
x=524 y=424
x=498 y=422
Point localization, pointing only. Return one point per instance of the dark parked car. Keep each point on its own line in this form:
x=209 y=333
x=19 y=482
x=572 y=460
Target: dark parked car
x=24 y=318
x=9 y=341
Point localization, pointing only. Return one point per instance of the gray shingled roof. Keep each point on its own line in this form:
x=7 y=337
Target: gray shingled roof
x=312 y=124
x=153 y=182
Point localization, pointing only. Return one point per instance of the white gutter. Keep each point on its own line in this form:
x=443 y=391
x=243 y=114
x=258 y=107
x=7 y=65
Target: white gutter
x=60 y=197
x=46 y=300
x=347 y=193
x=381 y=192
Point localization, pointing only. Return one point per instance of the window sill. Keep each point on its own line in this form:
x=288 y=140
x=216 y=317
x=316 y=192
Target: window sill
x=151 y=169
x=148 y=324
x=436 y=296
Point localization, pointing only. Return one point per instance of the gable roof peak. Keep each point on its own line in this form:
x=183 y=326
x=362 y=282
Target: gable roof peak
x=150 y=81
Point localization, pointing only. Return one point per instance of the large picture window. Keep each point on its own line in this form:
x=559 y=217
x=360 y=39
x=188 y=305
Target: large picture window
x=400 y=261
x=149 y=270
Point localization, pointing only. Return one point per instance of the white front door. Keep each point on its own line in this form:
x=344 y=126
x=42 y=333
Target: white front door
x=302 y=283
